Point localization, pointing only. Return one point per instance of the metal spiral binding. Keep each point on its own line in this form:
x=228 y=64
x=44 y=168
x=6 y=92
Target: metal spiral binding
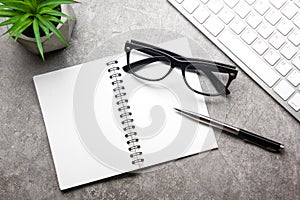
x=125 y=115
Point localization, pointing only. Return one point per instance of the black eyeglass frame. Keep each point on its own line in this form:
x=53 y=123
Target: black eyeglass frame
x=180 y=62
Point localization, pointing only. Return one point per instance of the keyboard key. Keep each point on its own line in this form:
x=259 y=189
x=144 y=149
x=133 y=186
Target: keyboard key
x=277 y=40
x=284 y=89
x=214 y=25
x=250 y=2
x=277 y=3
x=288 y=51
x=289 y=10
x=273 y=17
x=294 y=102
x=283 y=67
x=226 y=16
x=254 y=20
x=190 y=5
x=265 y=30
x=245 y=55
x=201 y=14
x=294 y=37
x=272 y=57
x=262 y=6
x=215 y=6
x=296 y=61
x=297 y=2
x=284 y=26
x=260 y=46
x=231 y=3
x=294 y=78
x=249 y=36
x=242 y=9
x=237 y=26
x=297 y=21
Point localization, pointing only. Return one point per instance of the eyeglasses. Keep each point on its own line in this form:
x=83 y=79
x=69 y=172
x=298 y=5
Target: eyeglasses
x=152 y=63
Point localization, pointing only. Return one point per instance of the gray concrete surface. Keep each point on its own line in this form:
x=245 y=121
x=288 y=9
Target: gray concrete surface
x=235 y=171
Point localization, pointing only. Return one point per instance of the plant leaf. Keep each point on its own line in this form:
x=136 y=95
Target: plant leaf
x=53 y=6
x=49 y=11
x=30 y=4
x=33 y=3
x=11 y=20
x=45 y=29
x=18 y=25
x=53 y=19
x=17 y=6
x=37 y=35
x=8 y=13
x=23 y=29
x=55 y=3
x=20 y=4
x=9 y=1
x=48 y=24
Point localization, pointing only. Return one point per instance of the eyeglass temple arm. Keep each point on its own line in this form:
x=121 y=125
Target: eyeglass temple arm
x=154 y=47
x=217 y=83
x=141 y=63
x=135 y=42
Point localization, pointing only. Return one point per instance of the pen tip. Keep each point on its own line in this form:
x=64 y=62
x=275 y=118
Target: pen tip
x=177 y=109
x=281 y=147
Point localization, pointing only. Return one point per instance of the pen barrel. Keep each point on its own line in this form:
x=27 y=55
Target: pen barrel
x=260 y=141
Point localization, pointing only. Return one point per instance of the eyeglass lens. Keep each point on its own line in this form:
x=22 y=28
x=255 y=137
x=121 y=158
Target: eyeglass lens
x=150 y=67
x=210 y=82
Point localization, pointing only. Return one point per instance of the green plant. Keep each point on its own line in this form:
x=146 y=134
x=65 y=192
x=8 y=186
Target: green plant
x=35 y=14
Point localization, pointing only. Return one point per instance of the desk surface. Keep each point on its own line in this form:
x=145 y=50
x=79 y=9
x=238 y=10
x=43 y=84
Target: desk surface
x=235 y=171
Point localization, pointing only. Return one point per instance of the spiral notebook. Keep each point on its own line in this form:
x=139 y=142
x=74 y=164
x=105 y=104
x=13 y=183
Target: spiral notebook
x=102 y=122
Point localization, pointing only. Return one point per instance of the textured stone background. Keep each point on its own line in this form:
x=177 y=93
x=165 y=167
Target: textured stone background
x=236 y=171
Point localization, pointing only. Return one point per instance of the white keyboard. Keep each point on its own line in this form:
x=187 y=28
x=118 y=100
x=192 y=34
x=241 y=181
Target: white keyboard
x=260 y=36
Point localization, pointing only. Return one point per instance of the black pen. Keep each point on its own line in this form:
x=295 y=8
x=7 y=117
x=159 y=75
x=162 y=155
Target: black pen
x=240 y=133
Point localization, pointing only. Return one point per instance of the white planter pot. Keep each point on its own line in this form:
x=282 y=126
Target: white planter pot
x=53 y=43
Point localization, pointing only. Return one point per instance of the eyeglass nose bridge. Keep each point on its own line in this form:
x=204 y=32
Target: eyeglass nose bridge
x=178 y=64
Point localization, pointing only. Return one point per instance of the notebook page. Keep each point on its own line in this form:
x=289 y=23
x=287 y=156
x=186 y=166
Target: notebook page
x=81 y=154
x=163 y=134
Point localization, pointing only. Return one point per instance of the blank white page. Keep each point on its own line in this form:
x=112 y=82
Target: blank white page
x=84 y=129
